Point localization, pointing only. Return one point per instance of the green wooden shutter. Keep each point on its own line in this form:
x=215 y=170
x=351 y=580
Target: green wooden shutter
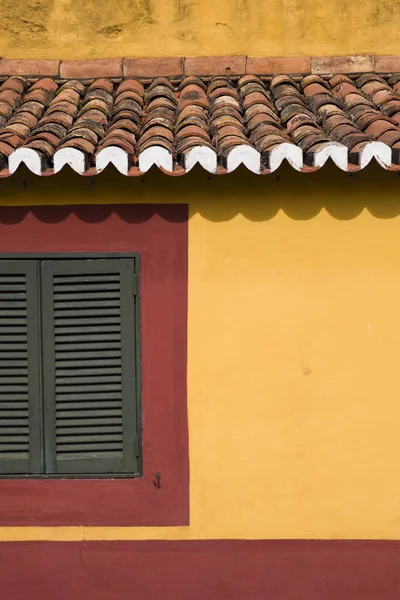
x=89 y=366
x=20 y=418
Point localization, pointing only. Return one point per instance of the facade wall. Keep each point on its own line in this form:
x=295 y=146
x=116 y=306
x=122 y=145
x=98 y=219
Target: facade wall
x=292 y=392
x=292 y=341
x=293 y=349
x=71 y=29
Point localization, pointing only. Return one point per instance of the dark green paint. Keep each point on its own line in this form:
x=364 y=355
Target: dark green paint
x=84 y=368
x=20 y=369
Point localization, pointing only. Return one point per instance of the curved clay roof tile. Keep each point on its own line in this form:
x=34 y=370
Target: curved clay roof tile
x=102 y=84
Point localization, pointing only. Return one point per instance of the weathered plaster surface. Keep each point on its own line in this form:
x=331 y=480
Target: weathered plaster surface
x=73 y=29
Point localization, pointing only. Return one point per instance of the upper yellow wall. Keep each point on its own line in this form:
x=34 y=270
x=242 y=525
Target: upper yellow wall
x=293 y=349
x=73 y=29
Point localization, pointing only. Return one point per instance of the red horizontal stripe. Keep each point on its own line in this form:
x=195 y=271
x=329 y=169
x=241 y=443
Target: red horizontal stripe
x=201 y=570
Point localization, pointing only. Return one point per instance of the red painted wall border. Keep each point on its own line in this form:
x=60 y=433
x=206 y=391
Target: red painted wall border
x=160 y=234
x=199 y=570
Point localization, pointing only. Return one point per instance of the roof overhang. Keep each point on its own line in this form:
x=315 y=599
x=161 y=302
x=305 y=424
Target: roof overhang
x=218 y=112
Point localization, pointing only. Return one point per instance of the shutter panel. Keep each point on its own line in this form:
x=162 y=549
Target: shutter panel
x=20 y=418
x=89 y=366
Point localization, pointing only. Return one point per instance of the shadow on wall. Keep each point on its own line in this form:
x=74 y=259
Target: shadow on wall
x=216 y=198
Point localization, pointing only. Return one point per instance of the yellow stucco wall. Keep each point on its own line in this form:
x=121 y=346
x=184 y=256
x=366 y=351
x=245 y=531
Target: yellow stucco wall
x=293 y=349
x=73 y=29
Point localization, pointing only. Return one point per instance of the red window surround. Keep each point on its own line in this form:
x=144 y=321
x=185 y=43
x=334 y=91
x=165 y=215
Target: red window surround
x=160 y=234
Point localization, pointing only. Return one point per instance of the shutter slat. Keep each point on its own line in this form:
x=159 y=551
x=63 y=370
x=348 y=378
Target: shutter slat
x=18 y=421
x=9 y=277
x=94 y=312
x=84 y=354
x=17 y=429
x=17 y=290
x=79 y=412
x=93 y=421
x=13 y=461
x=104 y=464
x=13 y=297
x=86 y=279
x=95 y=397
x=14 y=379
x=102 y=378
x=86 y=305
x=114 y=344
x=88 y=320
x=14 y=438
x=83 y=358
x=63 y=299
x=14 y=336
x=13 y=399
x=94 y=362
x=68 y=290
x=14 y=304
x=8 y=346
x=6 y=365
x=81 y=437
x=13 y=389
x=100 y=370
x=114 y=336
x=89 y=448
x=102 y=389
x=81 y=329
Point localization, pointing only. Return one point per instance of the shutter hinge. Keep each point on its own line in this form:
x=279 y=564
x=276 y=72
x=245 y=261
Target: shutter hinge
x=134 y=291
x=137 y=449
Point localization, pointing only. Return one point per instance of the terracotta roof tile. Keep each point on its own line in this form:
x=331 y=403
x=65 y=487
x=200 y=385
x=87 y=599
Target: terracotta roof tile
x=339 y=64
x=15 y=66
x=387 y=64
x=105 y=67
x=217 y=121
x=266 y=65
x=215 y=65
x=150 y=67
x=390 y=137
x=5 y=149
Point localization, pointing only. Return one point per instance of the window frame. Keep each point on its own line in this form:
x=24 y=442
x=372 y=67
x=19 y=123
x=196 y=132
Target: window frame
x=42 y=256
x=159 y=231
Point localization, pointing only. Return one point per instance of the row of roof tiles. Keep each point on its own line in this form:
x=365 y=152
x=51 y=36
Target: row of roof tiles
x=218 y=122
